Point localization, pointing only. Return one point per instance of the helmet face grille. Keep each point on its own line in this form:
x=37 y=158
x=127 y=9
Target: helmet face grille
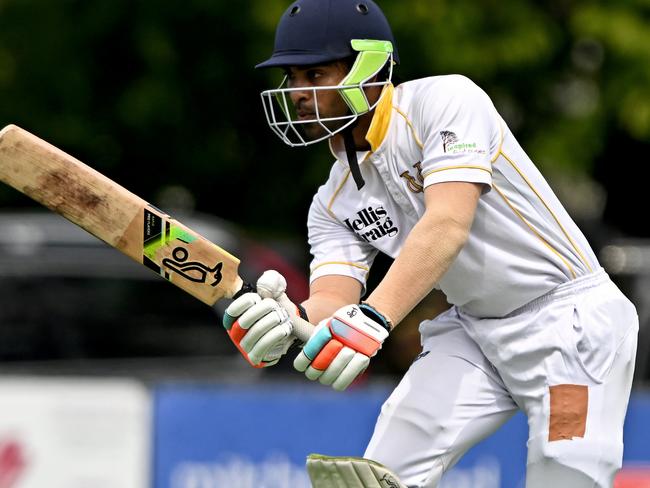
x=283 y=118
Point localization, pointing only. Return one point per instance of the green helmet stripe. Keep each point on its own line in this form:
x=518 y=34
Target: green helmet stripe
x=371 y=45
x=371 y=58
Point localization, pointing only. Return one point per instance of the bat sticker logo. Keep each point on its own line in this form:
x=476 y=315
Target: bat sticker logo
x=158 y=234
x=193 y=270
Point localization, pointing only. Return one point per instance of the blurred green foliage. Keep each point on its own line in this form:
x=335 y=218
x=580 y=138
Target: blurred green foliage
x=157 y=94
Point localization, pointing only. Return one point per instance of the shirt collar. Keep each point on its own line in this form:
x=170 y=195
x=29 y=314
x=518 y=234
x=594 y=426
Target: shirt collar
x=380 y=121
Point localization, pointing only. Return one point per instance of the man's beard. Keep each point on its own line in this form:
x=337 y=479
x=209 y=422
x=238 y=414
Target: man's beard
x=315 y=130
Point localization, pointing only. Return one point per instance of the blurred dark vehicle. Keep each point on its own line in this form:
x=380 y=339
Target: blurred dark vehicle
x=70 y=301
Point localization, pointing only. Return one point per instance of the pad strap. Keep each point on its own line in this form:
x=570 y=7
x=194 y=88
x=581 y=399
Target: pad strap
x=370 y=311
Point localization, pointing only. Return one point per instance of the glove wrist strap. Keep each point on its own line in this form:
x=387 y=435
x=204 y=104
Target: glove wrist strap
x=372 y=313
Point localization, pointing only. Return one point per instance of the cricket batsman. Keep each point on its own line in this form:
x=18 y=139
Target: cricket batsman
x=429 y=173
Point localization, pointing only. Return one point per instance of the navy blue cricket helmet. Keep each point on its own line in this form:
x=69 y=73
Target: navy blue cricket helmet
x=320 y=31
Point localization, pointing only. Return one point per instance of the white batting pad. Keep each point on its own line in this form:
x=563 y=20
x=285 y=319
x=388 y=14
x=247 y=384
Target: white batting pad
x=349 y=472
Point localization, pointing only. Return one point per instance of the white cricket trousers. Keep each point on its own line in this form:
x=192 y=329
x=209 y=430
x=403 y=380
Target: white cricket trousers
x=566 y=359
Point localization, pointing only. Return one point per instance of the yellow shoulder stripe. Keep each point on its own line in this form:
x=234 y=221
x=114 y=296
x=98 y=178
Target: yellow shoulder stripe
x=410 y=125
x=498 y=153
x=336 y=192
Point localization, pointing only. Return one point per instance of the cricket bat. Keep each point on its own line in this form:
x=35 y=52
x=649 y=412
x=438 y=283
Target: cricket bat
x=123 y=220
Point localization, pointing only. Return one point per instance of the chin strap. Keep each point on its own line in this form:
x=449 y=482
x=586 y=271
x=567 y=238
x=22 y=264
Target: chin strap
x=351 y=152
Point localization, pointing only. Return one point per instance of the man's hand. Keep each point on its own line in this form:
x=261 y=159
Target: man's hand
x=341 y=347
x=260 y=323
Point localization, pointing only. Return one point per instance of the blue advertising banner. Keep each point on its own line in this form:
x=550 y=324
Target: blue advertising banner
x=259 y=436
x=255 y=437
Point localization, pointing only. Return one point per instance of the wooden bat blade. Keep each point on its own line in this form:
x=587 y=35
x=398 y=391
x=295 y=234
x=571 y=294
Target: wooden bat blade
x=115 y=215
x=123 y=220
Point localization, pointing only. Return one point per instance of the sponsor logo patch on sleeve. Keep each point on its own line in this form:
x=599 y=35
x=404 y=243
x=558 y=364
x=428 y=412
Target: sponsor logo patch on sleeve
x=452 y=145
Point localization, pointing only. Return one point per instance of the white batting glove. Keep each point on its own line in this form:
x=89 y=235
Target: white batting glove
x=340 y=348
x=260 y=323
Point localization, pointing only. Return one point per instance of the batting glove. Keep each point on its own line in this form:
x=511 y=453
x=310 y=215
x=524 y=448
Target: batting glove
x=259 y=324
x=340 y=348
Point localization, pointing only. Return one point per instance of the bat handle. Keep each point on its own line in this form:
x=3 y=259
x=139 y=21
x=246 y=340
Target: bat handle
x=301 y=328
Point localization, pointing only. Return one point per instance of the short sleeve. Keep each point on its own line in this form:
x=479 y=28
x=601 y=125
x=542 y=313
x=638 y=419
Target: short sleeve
x=460 y=132
x=336 y=250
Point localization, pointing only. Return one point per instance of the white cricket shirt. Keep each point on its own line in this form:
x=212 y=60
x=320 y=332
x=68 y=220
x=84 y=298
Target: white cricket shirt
x=445 y=128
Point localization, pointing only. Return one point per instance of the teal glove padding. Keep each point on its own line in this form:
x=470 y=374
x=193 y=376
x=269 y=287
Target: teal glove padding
x=340 y=348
